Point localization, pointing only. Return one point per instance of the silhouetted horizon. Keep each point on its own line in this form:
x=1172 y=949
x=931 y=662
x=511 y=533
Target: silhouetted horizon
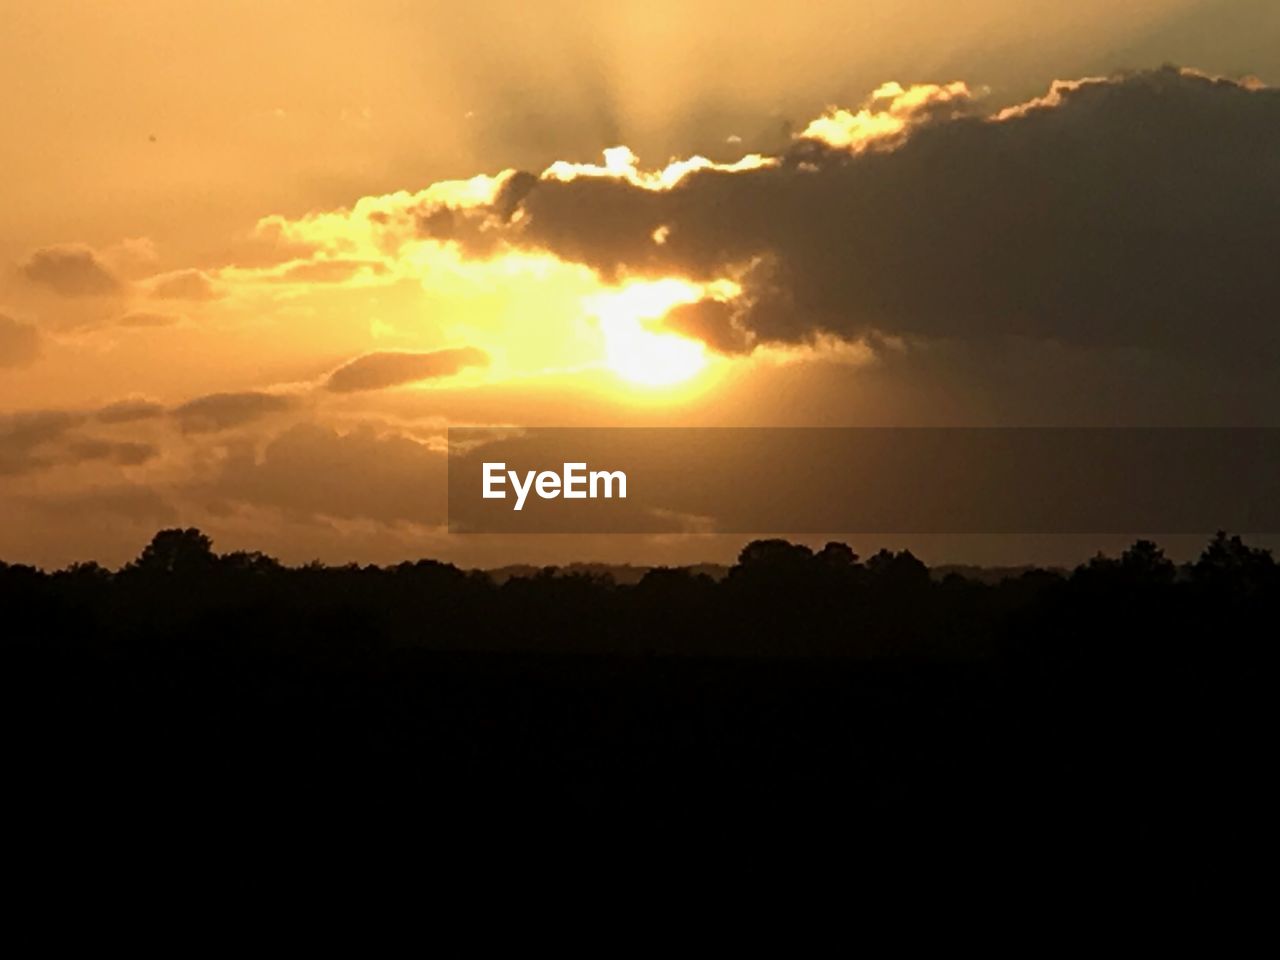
x=624 y=573
x=1112 y=703
x=568 y=337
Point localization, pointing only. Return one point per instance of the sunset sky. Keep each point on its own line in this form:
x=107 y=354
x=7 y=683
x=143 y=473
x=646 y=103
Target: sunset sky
x=257 y=257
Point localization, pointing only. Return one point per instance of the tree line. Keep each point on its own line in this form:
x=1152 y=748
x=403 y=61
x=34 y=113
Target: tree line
x=1126 y=694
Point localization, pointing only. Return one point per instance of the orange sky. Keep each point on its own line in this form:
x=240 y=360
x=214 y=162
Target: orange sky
x=248 y=270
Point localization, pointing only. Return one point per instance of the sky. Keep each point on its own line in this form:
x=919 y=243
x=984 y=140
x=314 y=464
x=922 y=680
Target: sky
x=256 y=258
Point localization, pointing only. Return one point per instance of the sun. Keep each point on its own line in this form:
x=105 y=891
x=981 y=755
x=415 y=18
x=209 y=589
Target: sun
x=633 y=351
x=650 y=359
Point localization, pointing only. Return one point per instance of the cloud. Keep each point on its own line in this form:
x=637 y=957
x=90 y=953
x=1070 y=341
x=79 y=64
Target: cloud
x=130 y=411
x=889 y=115
x=19 y=342
x=125 y=453
x=40 y=439
x=317 y=472
x=1133 y=212
x=712 y=322
x=462 y=211
x=184 y=285
x=375 y=371
x=221 y=411
x=71 y=270
x=622 y=165
x=23 y=434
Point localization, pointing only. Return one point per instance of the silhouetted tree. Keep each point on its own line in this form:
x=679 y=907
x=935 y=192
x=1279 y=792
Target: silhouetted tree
x=1145 y=563
x=177 y=552
x=1231 y=566
x=837 y=555
x=899 y=571
x=253 y=562
x=775 y=555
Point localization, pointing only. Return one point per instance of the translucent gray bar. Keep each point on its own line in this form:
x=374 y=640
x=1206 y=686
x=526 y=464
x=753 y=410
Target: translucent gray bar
x=870 y=480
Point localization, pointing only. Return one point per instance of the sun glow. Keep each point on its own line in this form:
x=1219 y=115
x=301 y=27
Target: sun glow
x=637 y=353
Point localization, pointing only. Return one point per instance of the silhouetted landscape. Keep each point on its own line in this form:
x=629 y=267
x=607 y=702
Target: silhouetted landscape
x=1111 y=699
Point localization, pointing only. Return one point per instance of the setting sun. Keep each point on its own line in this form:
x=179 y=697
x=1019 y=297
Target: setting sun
x=637 y=353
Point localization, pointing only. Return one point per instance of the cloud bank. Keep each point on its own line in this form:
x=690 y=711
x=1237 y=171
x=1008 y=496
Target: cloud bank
x=1130 y=212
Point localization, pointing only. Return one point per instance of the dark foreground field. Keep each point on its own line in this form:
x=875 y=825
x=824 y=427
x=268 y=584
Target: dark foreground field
x=1124 y=700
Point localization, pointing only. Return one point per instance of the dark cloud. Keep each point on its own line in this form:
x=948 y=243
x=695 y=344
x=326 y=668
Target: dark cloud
x=184 y=285
x=22 y=435
x=72 y=270
x=19 y=342
x=711 y=321
x=313 y=471
x=221 y=411
x=1137 y=212
x=39 y=439
x=375 y=371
